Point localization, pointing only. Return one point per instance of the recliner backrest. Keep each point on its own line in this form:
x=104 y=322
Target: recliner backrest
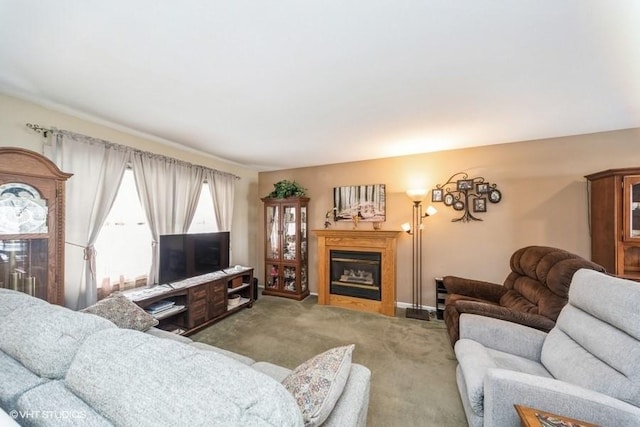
x=596 y=341
x=540 y=279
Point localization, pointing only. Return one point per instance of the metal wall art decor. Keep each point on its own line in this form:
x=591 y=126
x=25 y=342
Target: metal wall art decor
x=359 y=203
x=466 y=194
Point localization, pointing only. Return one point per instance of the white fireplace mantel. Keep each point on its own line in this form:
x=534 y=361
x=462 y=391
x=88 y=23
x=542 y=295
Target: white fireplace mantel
x=380 y=241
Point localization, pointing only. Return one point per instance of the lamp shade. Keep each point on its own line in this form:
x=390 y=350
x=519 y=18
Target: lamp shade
x=406 y=227
x=417 y=194
x=431 y=211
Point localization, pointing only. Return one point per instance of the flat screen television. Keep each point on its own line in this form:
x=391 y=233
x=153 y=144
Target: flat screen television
x=187 y=255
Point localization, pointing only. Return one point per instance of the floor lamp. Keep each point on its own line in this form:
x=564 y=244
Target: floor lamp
x=415 y=229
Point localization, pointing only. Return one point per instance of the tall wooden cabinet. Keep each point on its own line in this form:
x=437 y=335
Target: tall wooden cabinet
x=32 y=224
x=286 y=248
x=615 y=221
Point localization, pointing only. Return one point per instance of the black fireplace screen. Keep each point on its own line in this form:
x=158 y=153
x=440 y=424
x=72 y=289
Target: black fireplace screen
x=355 y=274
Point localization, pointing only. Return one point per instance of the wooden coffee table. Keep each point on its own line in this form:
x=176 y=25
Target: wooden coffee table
x=530 y=417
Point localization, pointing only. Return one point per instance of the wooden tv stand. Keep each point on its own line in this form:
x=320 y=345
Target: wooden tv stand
x=198 y=301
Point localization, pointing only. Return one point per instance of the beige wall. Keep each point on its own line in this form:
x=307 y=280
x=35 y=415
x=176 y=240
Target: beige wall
x=544 y=202
x=15 y=113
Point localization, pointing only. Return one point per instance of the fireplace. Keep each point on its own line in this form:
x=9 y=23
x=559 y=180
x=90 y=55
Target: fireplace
x=355 y=274
x=357 y=269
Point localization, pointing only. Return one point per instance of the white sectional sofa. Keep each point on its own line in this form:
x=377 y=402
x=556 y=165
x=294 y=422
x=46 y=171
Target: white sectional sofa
x=61 y=367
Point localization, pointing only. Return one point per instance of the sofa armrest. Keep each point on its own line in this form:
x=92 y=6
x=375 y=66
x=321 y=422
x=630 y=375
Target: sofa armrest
x=504 y=313
x=474 y=288
x=352 y=407
x=504 y=336
x=503 y=389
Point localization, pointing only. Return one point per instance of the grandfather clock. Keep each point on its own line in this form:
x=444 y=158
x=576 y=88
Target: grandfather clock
x=32 y=224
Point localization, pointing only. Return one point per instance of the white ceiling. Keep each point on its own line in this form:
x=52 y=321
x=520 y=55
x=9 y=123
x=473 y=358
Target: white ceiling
x=285 y=83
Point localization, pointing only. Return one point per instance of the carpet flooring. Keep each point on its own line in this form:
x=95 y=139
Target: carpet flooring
x=412 y=363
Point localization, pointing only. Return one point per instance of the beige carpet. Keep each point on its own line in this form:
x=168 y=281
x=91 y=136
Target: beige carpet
x=412 y=363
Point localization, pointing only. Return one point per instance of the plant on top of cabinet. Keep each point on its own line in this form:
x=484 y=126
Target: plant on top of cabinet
x=285 y=188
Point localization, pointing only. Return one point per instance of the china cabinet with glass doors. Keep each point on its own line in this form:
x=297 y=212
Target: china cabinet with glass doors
x=286 y=248
x=32 y=224
x=615 y=221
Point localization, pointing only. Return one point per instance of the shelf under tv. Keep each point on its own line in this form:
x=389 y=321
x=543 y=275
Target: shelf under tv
x=169 y=312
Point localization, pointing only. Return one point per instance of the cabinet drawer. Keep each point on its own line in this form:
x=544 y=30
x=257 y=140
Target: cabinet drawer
x=217 y=290
x=217 y=298
x=197 y=313
x=199 y=293
x=218 y=308
x=198 y=308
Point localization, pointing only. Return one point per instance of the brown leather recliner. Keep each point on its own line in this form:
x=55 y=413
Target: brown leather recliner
x=533 y=294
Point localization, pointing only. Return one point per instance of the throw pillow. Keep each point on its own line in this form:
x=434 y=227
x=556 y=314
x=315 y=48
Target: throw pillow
x=318 y=383
x=125 y=314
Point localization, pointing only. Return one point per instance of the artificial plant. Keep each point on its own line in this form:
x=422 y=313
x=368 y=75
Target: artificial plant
x=285 y=188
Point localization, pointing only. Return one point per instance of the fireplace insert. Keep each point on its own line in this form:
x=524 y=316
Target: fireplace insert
x=355 y=274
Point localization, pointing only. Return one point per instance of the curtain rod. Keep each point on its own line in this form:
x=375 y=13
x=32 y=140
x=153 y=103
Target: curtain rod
x=39 y=129
x=78 y=136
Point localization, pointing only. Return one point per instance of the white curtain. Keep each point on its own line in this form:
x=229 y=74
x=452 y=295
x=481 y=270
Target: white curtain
x=169 y=192
x=188 y=188
x=222 y=187
x=97 y=171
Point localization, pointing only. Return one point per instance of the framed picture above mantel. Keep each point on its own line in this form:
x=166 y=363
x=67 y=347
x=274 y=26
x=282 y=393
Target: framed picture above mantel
x=366 y=202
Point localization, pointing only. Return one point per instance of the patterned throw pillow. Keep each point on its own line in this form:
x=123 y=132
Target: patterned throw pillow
x=318 y=383
x=125 y=314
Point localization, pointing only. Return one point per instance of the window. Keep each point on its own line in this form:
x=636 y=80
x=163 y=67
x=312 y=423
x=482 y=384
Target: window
x=123 y=248
x=204 y=217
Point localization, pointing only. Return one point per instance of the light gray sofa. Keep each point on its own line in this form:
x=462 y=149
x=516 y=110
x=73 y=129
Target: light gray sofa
x=587 y=367
x=60 y=367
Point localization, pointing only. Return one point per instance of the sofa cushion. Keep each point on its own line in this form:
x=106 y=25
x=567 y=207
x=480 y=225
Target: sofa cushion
x=161 y=333
x=134 y=378
x=123 y=313
x=11 y=300
x=45 y=337
x=53 y=404
x=318 y=383
x=276 y=372
x=526 y=296
x=15 y=379
x=239 y=357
